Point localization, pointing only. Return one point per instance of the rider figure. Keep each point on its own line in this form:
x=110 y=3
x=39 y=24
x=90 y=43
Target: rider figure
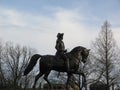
x=60 y=47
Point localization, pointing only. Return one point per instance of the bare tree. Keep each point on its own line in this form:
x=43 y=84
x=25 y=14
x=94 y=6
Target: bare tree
x=104 y=54
x=2 y=78
x=16 y=59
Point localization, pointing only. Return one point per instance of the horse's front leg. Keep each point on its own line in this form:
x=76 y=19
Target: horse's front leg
x=83 y=79
x=68 y=81
x=81 y=73
x=84 y=83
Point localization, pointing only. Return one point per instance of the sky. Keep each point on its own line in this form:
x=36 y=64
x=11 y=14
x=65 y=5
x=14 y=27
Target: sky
x=35 y=23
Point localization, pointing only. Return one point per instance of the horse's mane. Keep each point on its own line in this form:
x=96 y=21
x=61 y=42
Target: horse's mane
x=74 y=50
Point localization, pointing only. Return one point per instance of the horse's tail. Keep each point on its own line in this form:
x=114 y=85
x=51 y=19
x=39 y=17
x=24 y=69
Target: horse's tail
x=32 y=63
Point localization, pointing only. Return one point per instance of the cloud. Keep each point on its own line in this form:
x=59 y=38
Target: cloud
x=39 y=31
x=10 y=17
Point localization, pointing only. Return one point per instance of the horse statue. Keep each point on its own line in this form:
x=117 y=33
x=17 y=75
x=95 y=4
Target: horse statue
x=51 y=62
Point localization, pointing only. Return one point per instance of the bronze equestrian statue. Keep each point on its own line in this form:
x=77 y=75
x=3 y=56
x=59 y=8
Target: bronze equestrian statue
x=51 y=62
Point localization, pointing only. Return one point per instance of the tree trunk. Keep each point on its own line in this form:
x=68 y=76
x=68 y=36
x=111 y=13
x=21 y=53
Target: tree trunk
x=112 y=86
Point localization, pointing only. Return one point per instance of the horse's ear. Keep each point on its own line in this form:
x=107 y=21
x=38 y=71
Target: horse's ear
x=88 y=50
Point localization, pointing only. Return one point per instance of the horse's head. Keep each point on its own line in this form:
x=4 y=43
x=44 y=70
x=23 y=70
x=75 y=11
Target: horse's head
x=80 y=53
x=85 y=53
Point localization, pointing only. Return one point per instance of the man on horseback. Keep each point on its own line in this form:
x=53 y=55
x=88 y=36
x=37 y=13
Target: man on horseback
x=60 y=47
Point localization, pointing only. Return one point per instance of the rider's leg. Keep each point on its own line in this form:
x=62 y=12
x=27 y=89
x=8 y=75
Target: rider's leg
x=67 y=64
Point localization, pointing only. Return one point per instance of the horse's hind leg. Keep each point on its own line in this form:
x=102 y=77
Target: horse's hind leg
x=46 y=79
x=36 y=78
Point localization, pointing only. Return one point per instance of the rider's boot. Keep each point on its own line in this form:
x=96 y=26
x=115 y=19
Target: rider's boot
x=68 y=66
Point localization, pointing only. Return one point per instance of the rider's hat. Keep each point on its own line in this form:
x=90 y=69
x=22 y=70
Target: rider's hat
x=59 y=35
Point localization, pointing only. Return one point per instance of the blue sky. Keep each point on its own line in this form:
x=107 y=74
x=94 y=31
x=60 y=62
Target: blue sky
x=35 y=23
